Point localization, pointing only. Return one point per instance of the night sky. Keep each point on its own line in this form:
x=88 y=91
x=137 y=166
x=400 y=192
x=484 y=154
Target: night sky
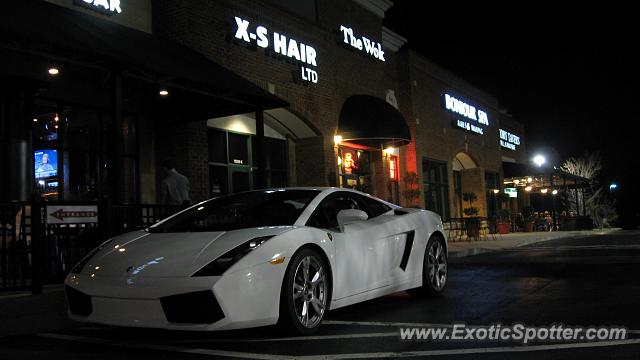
x=567 y=73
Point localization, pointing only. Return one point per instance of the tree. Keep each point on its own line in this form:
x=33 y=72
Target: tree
x=592 y=197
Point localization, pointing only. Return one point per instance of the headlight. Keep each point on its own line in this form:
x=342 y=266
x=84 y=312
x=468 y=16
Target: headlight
x=224 y=262
x=80 y=265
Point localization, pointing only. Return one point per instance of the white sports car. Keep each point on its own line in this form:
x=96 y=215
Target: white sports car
x=281 y=256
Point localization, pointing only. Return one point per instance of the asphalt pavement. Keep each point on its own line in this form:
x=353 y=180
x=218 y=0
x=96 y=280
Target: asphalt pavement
x=578 y=281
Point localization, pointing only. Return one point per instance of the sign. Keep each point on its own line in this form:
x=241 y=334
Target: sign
x=281 y=45
x=361 y=43
x=393 y=168
x=508 y=140
x=108 y=7
x=469 y=127
x=512 y=192
x=474 y=120
x=72 y=214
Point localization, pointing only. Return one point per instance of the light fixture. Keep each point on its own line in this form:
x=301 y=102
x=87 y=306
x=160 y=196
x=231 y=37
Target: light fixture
x=163 y=92
x=53 y=71
x=554 y=192
x=613 y=186
x=516 y=181
x=337 y=139
x=528 y=188
x=529 y=179
x=539 y=160
x=496 y=191
x=389 y=151
x=544 y=191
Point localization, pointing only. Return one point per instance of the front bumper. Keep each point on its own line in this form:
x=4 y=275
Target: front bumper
x=240 y=299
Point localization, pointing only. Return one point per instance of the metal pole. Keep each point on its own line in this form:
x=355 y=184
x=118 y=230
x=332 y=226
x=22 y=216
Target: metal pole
x=261 y=150
x=37 y=242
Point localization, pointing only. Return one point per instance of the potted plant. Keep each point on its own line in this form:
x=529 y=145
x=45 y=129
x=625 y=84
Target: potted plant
x=528 y=218
x=503 y=221
x=472 y=222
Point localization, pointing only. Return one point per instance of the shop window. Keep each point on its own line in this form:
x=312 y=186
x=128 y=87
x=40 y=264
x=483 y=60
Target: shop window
x=233 y=164
x=238 y=149
x=436 y=187
x=217 y=146
x=354 y=168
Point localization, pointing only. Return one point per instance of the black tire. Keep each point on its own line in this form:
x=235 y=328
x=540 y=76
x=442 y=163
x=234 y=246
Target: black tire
x=429 y=284
x=289 y=321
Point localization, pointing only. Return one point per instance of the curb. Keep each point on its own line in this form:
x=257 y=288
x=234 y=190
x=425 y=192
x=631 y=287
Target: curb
x=482 y=250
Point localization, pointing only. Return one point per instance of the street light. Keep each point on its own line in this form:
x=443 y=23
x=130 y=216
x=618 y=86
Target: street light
x=613 y=186
x=539 y=160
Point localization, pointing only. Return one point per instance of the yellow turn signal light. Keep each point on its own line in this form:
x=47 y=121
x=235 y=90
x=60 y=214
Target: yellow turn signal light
x=276 y=261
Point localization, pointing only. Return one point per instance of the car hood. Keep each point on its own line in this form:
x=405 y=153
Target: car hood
x=143 y=254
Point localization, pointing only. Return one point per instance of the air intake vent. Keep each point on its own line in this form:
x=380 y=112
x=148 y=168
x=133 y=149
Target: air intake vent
x=192 y=308
x=79 y=302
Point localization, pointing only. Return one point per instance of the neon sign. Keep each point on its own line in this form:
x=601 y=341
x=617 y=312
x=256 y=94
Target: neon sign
x=393 y=169
x=508 y=140
x=281 y=45
x=466 y=110
x=362 y=43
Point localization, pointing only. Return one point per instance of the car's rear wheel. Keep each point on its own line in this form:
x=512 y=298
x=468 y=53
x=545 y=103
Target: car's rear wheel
x=434 y=269
x=304 y=298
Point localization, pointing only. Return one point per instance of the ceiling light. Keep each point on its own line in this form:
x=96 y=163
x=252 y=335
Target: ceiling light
x=54 y=71
x=163 y=92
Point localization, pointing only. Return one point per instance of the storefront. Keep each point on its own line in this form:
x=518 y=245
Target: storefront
x=241 y=95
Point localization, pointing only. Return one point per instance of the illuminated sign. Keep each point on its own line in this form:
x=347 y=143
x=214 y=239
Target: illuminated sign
x=508 y=140
x=393 y=168
x=72 y=214
x=512 y=192
x=362 y=43
x=108 y=7
x=477 y=117
x=469 y=127
x=281 y=45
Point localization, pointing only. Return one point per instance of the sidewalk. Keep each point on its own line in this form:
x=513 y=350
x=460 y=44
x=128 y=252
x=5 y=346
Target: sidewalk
x=507 y=241
x=22 y=313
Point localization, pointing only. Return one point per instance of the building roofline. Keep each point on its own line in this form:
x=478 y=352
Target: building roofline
x=392 y=40
x=378 y=7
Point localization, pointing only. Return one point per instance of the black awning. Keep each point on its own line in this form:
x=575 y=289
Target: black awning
x=370 y=121
x=40 y=28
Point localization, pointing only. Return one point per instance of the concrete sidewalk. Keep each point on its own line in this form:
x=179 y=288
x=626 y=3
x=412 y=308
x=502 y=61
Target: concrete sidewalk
x=513 y=240
x=22 y=313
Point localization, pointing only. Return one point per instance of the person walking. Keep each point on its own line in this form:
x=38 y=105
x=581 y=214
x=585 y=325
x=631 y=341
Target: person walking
x=175 y=186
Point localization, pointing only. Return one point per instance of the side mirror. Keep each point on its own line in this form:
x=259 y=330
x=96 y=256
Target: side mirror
x=350 y=216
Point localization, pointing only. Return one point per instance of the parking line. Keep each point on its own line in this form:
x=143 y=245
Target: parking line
x=292 y=338
x=382 y=323
x=470 y=351
x=210 y=352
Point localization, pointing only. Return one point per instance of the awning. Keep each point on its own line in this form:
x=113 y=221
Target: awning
x=370 y=121
x=544 y=176
x=39 y=28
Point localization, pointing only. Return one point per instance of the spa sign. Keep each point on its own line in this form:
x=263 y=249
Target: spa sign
x=279 y=44
x=473 y=119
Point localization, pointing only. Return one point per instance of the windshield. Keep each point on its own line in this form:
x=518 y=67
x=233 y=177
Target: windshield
x=240 y=211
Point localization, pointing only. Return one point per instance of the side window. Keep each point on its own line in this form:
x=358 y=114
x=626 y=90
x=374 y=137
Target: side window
x=326 y=214
x=374 y=207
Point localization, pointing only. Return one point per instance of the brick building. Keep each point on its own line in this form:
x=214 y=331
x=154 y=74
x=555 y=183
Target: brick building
x=305 y=93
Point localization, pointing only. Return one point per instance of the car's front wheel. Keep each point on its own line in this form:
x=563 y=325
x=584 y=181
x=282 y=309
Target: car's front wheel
x=304 y=298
